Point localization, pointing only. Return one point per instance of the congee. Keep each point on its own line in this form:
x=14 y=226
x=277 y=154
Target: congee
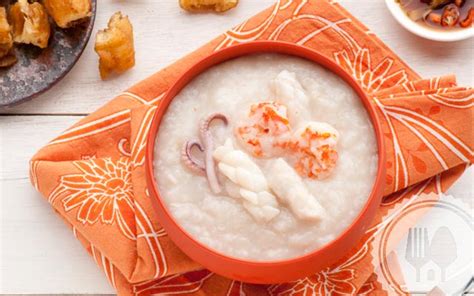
x=265 y=157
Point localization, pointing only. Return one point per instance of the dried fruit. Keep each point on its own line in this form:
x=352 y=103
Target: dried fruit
x=201 y=5
x=6 y=40
x=67 y=12
x=114 y=46
x=30 y=23
x=450 y=16
x=467 y=22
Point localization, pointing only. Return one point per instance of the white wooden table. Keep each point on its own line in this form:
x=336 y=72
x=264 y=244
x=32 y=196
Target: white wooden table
x=38 y=254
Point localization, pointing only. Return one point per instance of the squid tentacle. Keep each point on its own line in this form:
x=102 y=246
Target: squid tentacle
x=206 y=139
x=205 y=145
x=190 y=161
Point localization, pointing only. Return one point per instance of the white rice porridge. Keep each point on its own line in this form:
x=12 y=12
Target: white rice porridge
x=285 y=230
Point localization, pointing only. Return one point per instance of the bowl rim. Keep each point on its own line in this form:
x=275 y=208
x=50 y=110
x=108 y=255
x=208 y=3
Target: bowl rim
x=423 y=31
x=258 y=47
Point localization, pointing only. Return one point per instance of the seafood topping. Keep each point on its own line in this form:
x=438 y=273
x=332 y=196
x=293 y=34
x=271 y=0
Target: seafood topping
x=206 y=145
x=445 y=14
x=190 y=160
x=467 y=22
x=290 y=189
x=245 y=181
x=314 y=148
x=267 y=124
x=288 y=90
x=450 y=16
x=267 y=133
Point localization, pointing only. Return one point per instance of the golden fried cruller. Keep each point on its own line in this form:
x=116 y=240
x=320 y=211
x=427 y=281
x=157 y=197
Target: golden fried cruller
x=114 y=46
x=201 y=5
x=6 y=40
x=8 y=60
x=30 y=23
x=67 y=12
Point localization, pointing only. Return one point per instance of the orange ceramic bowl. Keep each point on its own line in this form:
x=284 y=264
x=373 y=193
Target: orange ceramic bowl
x=272 y=271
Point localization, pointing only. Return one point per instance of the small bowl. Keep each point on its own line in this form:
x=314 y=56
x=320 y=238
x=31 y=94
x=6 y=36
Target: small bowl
x=424 y=31
x=269 y=271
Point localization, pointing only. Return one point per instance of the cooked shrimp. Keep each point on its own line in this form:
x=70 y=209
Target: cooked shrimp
x=266 y=125
x=314 y=148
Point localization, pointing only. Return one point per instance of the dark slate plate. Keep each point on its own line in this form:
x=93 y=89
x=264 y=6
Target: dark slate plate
x=37 y=70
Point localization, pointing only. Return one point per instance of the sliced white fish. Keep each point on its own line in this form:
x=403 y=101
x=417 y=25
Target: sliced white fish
x=290 y=189
x=245 y=181
x=288 y=90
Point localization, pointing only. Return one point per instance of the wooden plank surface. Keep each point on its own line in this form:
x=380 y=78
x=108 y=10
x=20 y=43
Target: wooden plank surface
x=38 y=254
x=164 y=33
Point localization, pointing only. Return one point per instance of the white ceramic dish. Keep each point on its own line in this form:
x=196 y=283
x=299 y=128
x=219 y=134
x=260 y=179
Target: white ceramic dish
x=426 y=32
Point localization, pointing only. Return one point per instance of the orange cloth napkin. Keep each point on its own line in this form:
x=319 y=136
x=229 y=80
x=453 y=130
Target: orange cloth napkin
x=93 y=174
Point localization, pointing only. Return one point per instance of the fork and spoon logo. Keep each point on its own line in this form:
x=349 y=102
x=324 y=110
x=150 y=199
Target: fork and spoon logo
x=436 y=253
x=442 y=250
